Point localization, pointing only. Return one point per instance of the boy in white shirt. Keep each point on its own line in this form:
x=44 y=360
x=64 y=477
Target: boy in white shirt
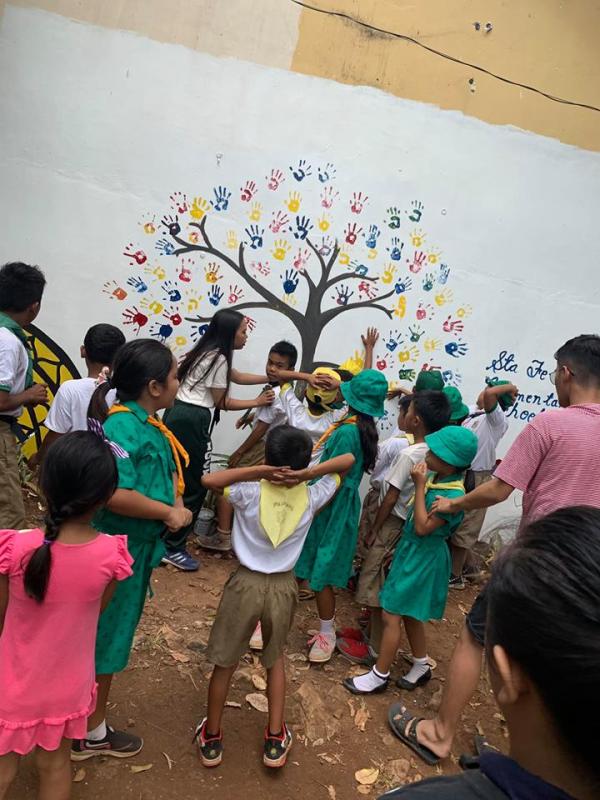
x=274 y=510
x=69 y=409
x=488 y=422
x=21 y=290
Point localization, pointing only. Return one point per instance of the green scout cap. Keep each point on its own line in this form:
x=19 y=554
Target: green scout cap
x=429 y=380
x=366 y=392
x=458 y=409
x=453 y=444
x=506 y=400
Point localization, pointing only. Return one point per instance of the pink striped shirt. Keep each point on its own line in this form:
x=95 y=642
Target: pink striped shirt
x=555 y=461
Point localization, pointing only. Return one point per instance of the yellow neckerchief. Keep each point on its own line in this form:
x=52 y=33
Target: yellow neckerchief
x=281 y=509
x=459 y=485
x=331 y=429
x=179 y=452
x=408 y=436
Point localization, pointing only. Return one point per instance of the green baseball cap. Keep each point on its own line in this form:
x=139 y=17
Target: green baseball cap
x=458 y=409
x=454 y=444
x=366 y=392
x=505 y=400
x=429 y=380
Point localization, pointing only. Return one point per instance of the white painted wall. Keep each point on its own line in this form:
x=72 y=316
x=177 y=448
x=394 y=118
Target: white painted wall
x=100 y=126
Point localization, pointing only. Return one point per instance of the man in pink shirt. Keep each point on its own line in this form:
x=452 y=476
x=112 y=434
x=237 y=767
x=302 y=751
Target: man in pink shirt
x=555 y=463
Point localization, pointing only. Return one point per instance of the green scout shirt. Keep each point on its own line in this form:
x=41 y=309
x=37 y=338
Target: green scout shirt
x=149 y=470
x=452 y=521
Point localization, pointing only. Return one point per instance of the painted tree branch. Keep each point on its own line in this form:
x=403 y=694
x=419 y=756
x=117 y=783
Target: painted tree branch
x=342 y=277
x=236 y=307
x=332 y=313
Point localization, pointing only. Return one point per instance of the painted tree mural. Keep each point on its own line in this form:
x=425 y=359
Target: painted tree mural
x=293 y=245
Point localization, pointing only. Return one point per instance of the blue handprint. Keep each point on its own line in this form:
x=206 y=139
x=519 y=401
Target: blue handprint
x=290 y=281
x=172 y=292
x=394 y=218
x=215 y=295
x=359 y=269
x=138 y=284
x=403 y=285
x=161 y=331
x=165 y=247
x=172 y=224
x=325 y=247
x=326 y=174
x=372 y=236
x=416 y=211
x=393 y=342
x=456 y=349
x=221 y=201
x=256 y=236
x=444 y=273
x=303 y=170
x=451 y=377
x=198 y=331
x=415 y=333
x=343 y=295
x=303 y=226
x=395 y=250
x=428 y=282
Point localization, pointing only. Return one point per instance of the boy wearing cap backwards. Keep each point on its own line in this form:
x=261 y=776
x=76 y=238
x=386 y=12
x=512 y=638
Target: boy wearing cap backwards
x=488 y=422
x=417 y=586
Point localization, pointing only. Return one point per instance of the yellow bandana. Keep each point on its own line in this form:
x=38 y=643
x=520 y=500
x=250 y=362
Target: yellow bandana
x=281 y=509
x=448 y=485
x=331 y=429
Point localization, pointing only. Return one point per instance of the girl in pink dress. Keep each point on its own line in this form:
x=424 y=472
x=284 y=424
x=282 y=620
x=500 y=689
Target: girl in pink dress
x=53 y=585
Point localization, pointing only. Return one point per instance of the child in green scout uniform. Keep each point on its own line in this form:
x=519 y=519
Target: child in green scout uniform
x=417 y=585
x=326 y=559
x=147 y=503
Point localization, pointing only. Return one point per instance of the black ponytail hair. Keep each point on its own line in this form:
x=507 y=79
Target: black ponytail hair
x=136 y=364
x=218 y=339
x=369 y=438
x=545 y=612
x=78 y=474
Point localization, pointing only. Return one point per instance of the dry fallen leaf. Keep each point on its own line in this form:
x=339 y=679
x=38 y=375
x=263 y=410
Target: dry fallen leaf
x=364 y=789
x=259 y=682
x=258 y=701
x=232 y=704
x=79 y=775
x=367 y=777
x=181 y=657
x=361 y=717
x=141 y=768
x=331 y=792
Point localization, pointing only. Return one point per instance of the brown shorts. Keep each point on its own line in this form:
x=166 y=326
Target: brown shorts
x=254 y=456
x=367 y=518
x=470 y=528
x=376 y=563
x=250 y=597
x=12 y=510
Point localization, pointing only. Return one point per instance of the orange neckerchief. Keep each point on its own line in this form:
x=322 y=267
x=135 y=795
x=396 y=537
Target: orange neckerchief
x=331 y=429
x=179 y=452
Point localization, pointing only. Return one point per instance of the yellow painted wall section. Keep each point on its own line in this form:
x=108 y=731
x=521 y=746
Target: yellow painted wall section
x=549 y=44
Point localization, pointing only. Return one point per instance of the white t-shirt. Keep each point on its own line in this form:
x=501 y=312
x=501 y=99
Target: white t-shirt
x=299 y=416
x=69 y=408
x=399 y=477
x=13 y=366
x=489 y=429
x=272 y=415
x=387 y=452
x=251 y=544
x=199 y=393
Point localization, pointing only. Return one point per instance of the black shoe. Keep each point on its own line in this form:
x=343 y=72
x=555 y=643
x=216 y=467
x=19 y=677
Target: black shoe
x=210 y=748
x=402 y=683
x=117 y=744
x=348 y=683
x=276 y=748
x=456 y=582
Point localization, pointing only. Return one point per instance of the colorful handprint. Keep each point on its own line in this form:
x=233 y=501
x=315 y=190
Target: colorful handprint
x=351 y=233
x=416 y=211
x=343 y=295
x=357 y=202
x=411 y=354
x=387 y=276
x=199 y=208
x=165 y=247
x=280 y=249
x=232 y=240
x=366 y=289
x=255 y=212
x=262 y=267
x=325 y=247
x=302 y=171
x=431 y=345
x=255 y=235
x=417 y=237
x=456 y=348
x=443 y=297
x=114 y=291
x=290 y=281
x=133 y=316
x=400 y=307
x=434 y=256
x=328 y=196
x=293 y=202
x=326 y=173
x=452 y=325
x=171 y=223
x=371 y=237
x=179 y=202
x=247 y=191
x=138 y=284
x=301 y=259
x=443 y=274
x=171 y=292
x=275 y=179
x=428 y=283
x=235 y=294
x=303 y=226
x=396 y=248
x=324 y=222
x=161 y=330
x=393 y=217
x=215 y=295
x=416 y=333
x=416 y=265
x=424 y=311
x=135 y=255
x=279 y=220
x=222 y=196
x=212 y=272
x=403 y=285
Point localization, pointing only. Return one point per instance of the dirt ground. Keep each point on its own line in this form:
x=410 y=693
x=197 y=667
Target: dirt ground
x=162 y=694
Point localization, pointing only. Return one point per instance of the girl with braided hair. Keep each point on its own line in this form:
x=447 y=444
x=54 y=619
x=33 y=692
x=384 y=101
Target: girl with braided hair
x=53 y=585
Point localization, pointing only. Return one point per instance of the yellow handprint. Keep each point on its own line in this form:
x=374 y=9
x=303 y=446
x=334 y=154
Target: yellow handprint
x=199 y=208
x=464 y=311
x=431 y=345
x=154 y=307
x=255 y=212
x=355 y=363
x=194 y=237
x=372 y=254
x=293 y=202
x=417 y=237
x=280 y=249
x=211 y=273
x=444 y=297
x=400 y=307
x=180 y=341
x=193 y=301
x=408 y=355
x=434 y=256
x=324 y=223
x=344 y=258
x=232 y=240
x=388 y=274
x=158 y=272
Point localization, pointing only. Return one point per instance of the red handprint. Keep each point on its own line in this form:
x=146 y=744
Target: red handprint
x=185 y=274
x=300 y=259
x=381 y=364
x=174 y=318
x=452 y=325
x=132 y=316
x=328 y=195
x=418 y=261
x=423 y=311
x=275 y=180
x=179 y=202
x=280 y=220
x=135 y=255
x=248 y=191
x=251 y=323
x=366 y=288
x=263 y=268
x=235 y=294
x=352 y=233
x=358 y=202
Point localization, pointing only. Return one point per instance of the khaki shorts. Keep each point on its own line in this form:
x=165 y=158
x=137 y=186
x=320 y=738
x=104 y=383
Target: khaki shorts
x=250 y=597
x=367 y=518
x=12 y=510
x=254 y=456
x=377 y=562
x=470 y=528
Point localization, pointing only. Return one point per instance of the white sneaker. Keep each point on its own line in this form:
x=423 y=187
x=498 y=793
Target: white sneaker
x=218 y=541
x=322 y=646
x=256 y=640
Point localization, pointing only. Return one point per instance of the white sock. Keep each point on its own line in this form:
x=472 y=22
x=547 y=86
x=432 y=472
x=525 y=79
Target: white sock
x=419 y=667
x=327 y=626
x=370 y=680
x=98 y=733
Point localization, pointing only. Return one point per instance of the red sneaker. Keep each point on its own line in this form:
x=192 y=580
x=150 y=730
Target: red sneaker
x=355 y=652
x=350 y=633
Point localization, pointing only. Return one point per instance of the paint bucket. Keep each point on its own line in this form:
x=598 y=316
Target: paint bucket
x=205 y=522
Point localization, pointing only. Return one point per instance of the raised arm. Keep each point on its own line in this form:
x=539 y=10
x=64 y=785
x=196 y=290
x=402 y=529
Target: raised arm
x=369 y=340
x=247 y=378
x=492 y=393
x=484 y=496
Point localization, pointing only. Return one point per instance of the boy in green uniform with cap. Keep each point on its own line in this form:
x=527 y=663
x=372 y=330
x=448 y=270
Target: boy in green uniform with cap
x=417 y=585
